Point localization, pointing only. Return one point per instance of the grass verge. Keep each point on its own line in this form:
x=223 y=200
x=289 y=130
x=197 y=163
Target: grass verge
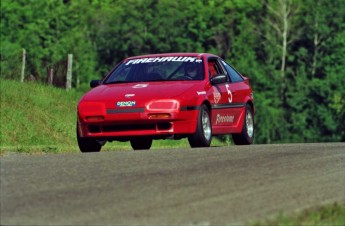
x=333 y=214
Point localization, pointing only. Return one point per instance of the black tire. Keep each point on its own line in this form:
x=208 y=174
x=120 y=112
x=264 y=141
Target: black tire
x=141 y=143
x=203 y=134
x=88 y=144
x=247 y=135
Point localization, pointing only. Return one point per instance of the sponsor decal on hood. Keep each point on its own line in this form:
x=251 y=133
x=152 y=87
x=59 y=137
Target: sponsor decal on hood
x=129 y=103
x=140 y=86
x=130 y=95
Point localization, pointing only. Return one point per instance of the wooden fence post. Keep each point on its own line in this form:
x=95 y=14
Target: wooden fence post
x=69 y=72
x=50 y=76
x=23 y=65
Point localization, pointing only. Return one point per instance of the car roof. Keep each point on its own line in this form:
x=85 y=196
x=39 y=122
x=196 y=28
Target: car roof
x=173 y=55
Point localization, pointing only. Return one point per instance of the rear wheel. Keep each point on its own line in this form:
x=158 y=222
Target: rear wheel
x=141 y=143
x=247 y=134
x=203 y=134
x=88 y=144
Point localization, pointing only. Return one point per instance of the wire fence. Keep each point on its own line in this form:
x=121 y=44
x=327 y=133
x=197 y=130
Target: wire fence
x=22 y=66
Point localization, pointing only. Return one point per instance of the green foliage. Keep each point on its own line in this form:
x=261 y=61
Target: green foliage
x=49 y=31
x=325 y=215
x=302 y=101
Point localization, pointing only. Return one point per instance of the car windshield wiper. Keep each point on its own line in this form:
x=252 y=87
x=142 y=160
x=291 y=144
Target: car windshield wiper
x=181 y=79
x=116 y=82
x=155 y=80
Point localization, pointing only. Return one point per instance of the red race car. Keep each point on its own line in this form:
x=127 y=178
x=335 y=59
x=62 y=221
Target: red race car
x=167 y=96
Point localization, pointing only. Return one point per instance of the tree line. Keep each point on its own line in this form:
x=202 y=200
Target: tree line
x=293 y=51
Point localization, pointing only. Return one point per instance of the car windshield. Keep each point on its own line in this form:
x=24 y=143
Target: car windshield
x=177 y=68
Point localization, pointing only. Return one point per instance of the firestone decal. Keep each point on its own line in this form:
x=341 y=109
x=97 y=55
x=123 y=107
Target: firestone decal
x=224 y=118
x=164 y=59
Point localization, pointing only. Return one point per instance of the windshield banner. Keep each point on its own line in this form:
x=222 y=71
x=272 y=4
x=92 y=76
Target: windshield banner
x=164 y=59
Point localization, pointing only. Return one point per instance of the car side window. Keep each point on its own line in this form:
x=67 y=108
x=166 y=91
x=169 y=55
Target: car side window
x=214 y=68
x=232 y=73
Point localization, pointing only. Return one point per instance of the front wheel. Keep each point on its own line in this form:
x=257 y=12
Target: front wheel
x=141 y=143
x=203 y=134
x=247 y=134
x=88 y=144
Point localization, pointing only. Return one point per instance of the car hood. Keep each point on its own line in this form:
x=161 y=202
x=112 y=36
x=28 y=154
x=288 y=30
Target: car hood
x=140 y=92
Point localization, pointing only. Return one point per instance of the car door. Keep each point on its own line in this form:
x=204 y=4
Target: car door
x=227 y=105
x=240 y=90
x=222 y=117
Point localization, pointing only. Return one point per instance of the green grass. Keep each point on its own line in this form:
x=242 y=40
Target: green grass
x=34 y=114
x=325 y=215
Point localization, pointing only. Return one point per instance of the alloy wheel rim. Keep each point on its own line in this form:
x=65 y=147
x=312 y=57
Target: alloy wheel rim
x=250 y=124
x=206 y=125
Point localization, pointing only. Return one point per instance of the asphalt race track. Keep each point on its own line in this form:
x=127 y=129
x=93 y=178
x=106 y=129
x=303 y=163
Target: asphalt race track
x=217 y=185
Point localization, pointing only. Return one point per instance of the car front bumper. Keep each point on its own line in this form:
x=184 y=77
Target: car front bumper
x=116 y=124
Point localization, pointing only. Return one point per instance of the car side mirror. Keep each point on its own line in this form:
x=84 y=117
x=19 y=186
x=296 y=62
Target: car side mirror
x=218 y=79
x=95 y=83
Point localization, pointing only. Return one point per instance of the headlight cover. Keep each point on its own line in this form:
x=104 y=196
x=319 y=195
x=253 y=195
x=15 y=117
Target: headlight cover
x=163 y=105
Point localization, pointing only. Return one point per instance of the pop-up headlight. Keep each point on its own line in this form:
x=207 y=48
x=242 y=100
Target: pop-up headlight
x=163 y=105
